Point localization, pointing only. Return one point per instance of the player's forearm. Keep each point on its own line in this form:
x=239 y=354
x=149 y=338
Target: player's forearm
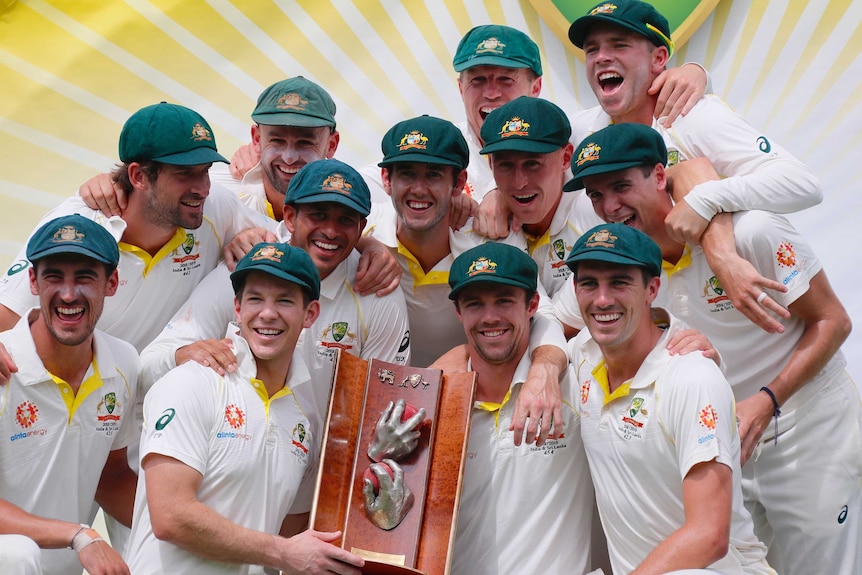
x=202 y=531
x=47 y=533
x=819 y=343
x=689 y=547
x=116 y=495
x=718 y=242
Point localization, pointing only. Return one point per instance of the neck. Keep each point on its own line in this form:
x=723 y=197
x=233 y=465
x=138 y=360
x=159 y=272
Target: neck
x=642 y=114
x=623 y=361
x=70 y=363
x=142 y=233
x=273 y=373
x=494 y=380
x=275 y=199
x=429 y=247
x=538 y=229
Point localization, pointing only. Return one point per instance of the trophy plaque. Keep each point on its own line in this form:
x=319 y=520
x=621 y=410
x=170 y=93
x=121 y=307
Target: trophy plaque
x=423 y=479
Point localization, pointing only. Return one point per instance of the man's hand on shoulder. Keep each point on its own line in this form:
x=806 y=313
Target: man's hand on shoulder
x=244 y=159
x=213 y=353
x=101 y=193
x=242 y=243
x=7 y=365
x=492 y=220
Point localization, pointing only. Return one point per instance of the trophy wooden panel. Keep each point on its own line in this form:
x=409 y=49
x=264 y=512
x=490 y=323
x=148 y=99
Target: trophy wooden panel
x=422 y=542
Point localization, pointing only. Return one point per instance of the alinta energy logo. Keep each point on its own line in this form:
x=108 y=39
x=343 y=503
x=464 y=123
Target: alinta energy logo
x=684 y=17
x=26 y=415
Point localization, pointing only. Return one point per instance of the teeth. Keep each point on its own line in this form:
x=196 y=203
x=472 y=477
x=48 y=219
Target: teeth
x=70 y=310
x=609 y=76
x=289 y=171
x=485 y=110
x=494 y=333
x=414 y=205
x=325 y=246
x=524 y=199
x=263 y=331
x=624 y=220
x=607 y=316
x=192 y=204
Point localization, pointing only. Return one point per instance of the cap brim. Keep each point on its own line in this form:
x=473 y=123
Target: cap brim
x=577 y=182
x=335 y=198
x=237 y=276
x=514 y=144
x=71 y=249
x=489 y=61
x=421 y=159
x=599 y=255
x=488 y=278
x=291 y=119
x=202 y=155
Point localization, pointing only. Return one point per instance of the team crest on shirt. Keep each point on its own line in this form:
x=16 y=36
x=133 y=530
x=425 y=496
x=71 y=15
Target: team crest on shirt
x=185 y=256
x=336 y=183
x=672 y=157
x=490 y=46
x=200 y=133
x=557 y=258
x=291 y=101
x=634 y=419
x=588 y=153
x=300 y=439
x=336 y=335
x=109 y=412
x=414 y=140
x=515 y=127
x=716 y=299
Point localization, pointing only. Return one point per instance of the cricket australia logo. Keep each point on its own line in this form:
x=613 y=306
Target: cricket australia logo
x=68 y=234
x=515 y=127
x=715 y=297
x=189 y=244
x=633 y=420
x=603 y=238
x=270 y=253
x=106 y=408
x=338 y=331
x=300 y=438
x=414 y=140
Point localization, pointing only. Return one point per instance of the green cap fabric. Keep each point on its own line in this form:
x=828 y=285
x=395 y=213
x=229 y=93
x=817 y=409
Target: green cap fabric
x=74 y=234
x=617 y=147
x=526 y=124
x=170 y=134
x=329 y=180
x=616 y=244
x=493 y=45
x=639 y=17
x=295 y=102
x=425 y=140
x=282 y=261
x=495 y=263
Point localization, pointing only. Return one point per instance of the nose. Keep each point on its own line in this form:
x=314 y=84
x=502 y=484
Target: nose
x=604 y=295
x=491 y=90
x=68 y=290
x=201 y=185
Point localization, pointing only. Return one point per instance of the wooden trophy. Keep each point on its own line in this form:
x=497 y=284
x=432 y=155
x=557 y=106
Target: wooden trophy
x=422 y=541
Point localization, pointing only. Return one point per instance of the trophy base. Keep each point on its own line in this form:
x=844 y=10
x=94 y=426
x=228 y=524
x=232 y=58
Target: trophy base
x=378 y=568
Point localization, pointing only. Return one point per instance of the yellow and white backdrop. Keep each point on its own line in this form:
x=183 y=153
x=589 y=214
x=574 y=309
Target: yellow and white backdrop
x=72 y=71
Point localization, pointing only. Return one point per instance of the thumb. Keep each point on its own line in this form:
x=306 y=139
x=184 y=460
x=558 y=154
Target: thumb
x=326 y=536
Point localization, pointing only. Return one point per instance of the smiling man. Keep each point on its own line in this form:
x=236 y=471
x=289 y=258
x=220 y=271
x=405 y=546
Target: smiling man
x=324 y=214
x=229 y=462
x=658 y=429
x=67 y=412
x=792 y=392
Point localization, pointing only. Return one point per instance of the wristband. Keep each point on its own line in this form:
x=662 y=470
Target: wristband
x=776 y=412
x=83 y=537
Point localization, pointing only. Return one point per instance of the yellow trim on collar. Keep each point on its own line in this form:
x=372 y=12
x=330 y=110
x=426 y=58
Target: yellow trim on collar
x=268 y=207
x=419 y=276
x=492 y=407
x=74 y=400
x=600 y=374
x=260 y=388
x=683 y=262
x=534 y=242
x=151 y=261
